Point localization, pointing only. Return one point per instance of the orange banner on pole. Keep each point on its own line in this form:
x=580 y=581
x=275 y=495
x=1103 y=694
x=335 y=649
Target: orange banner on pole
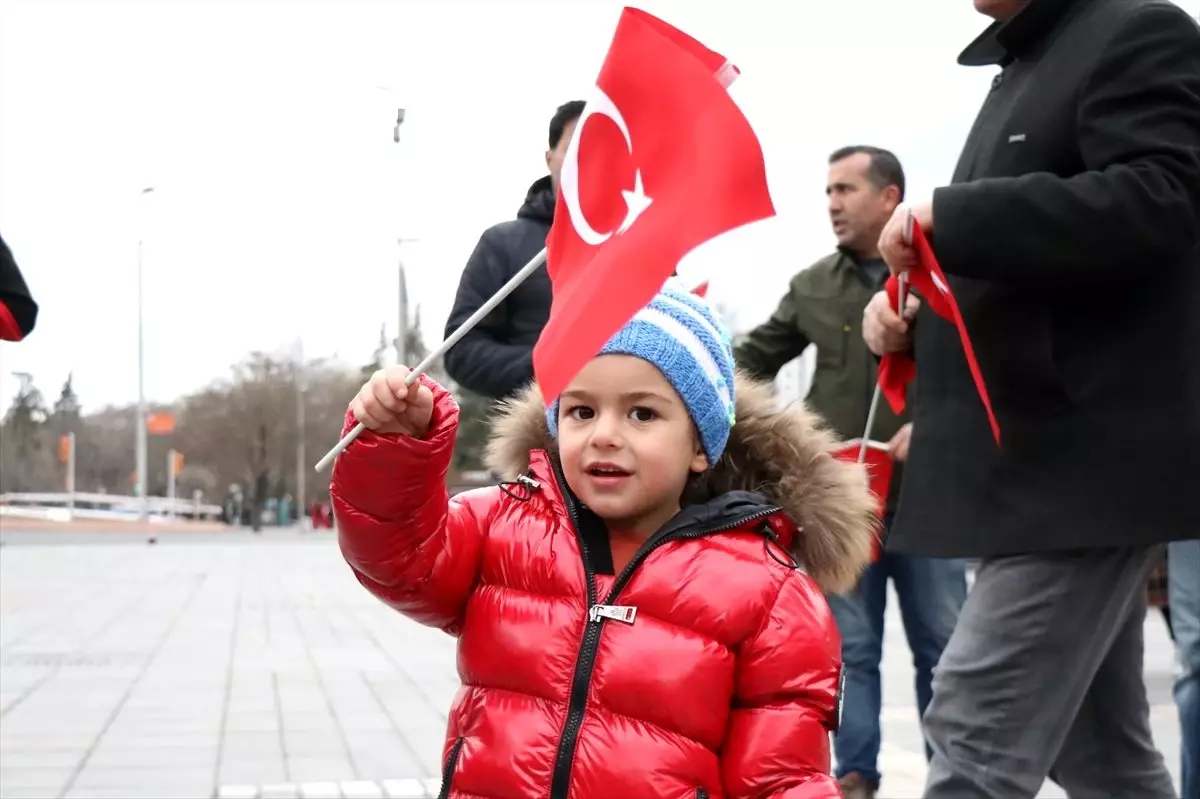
x=160 y=423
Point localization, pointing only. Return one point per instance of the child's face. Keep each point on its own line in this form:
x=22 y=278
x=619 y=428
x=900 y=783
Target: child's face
x=627 y=443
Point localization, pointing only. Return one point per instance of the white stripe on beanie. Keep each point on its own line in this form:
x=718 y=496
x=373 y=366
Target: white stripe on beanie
x=680 y=332
x=692 y=313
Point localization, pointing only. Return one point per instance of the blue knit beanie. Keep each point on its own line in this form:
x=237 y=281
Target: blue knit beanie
x=681 y=334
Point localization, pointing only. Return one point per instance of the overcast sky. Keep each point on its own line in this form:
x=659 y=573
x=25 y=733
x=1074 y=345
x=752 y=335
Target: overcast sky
x=266 y=130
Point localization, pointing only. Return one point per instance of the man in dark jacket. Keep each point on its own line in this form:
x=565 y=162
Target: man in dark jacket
x=495 y=358
x=18 y=311
x=1071 y=238
x=824 y=307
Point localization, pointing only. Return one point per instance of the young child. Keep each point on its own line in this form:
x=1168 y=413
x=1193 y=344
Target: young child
x=639 y=611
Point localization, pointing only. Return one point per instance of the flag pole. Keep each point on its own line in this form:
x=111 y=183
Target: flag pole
x=534 y=264
x=900 y=300
x=862 y=447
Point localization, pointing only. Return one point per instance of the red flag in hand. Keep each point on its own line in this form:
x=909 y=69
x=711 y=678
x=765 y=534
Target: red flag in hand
x=662 y=160
x=897 y=369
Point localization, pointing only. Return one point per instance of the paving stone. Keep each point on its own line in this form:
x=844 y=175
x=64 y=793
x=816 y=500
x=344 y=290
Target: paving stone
x=252 y=722
x=145 y=774
x=255 y=771
x=310 y=769
x=34 y=759
x=266 y=742
x=231 y=791
x=367 y=721
x=316 y=721
x=16 y=791
x=313 y=743
x=405 y=789
x=362 y=790
x=108 y=755
x=32 y=777
x=151 y=742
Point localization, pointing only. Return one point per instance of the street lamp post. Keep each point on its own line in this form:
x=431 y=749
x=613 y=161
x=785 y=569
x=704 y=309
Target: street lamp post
x=402 y=329
x=143 y=499
x=402 y=334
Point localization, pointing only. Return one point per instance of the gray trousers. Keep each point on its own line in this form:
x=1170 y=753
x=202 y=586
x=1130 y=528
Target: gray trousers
x=1043 y=677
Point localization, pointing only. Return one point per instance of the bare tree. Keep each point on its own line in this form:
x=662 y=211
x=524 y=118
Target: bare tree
x=28 y=452
x=105 y=455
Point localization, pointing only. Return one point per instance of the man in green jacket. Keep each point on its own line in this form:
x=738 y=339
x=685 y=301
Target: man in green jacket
x=824 y=307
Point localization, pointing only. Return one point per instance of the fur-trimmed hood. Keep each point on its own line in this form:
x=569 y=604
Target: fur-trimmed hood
x=782 y=455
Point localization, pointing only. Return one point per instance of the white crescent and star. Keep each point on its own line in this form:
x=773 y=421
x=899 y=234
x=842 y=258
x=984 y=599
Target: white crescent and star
x=636 y=201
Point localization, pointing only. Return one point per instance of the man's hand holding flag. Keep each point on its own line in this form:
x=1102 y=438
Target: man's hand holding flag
x=910 y=256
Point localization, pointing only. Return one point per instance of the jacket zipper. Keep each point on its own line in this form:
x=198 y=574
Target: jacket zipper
x=448 y=768
x=701 y=793
x=564 y=759
x=581 y=681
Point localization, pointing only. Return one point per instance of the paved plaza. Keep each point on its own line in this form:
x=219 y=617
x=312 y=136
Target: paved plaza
x=235 y=665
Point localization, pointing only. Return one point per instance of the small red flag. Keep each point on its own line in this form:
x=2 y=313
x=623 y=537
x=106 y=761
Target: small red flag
x=879 y=470
x=662 y=160
x=897 y=369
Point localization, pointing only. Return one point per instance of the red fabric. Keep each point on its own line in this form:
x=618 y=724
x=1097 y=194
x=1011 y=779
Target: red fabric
x=879 y=471
x=701 y=290
x=9 y=329
x=897 y=369
x=691 y=152
x=727 y=680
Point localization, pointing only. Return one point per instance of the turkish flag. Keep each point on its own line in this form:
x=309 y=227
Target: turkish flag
x=662 y=160
x=897 y=369
x=879 y=471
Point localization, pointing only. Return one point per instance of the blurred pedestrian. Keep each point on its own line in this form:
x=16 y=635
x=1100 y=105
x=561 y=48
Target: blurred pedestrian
x=1183 y=567
x=824 y=307
x=495 y=359
x=18 y=311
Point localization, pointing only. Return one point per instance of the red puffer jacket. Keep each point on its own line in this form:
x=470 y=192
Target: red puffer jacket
x=709 y=667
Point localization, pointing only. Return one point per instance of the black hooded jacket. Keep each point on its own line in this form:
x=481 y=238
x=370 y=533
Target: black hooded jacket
x=495 y=359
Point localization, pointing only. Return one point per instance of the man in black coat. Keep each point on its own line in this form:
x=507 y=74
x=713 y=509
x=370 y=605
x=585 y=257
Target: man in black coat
x=18 y=311
x=495 y=359
x=1071 y=237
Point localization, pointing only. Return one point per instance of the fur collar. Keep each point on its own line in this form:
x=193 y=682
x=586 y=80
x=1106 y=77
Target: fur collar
x=782 y=455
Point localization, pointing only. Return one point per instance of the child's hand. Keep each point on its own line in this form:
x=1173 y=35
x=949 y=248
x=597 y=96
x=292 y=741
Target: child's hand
x=385 y=405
